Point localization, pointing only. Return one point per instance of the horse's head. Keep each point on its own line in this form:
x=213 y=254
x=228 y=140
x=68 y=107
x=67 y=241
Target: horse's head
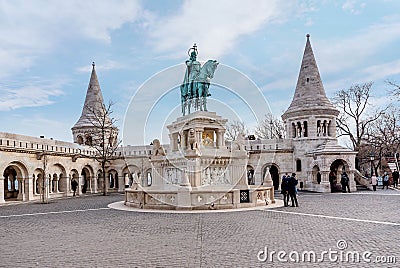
x=209 y=68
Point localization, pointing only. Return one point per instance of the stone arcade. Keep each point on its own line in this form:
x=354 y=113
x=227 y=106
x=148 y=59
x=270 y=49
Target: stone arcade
x=196 y=140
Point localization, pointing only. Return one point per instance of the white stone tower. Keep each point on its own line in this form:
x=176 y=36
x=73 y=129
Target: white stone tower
x=310 y=123
x=94 y=104
x=310 y=116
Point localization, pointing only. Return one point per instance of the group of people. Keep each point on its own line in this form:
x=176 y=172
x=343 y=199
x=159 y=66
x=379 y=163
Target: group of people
x=288 y=188
x=386 y=180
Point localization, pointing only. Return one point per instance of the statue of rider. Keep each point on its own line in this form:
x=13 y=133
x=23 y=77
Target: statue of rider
x=193 y=70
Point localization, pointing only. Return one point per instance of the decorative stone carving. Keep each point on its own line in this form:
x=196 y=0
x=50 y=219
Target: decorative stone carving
x=192 y=139
x=157 y=148
x=238 y=144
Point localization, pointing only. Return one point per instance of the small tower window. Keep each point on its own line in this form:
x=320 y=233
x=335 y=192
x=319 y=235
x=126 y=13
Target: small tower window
x=305 y=129
x=298 y=165
x=308 y=79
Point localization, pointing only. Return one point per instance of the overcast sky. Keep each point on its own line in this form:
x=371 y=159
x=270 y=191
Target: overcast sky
x=47 y=47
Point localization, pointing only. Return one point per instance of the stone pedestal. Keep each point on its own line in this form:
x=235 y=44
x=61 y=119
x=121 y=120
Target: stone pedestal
x=199 y=172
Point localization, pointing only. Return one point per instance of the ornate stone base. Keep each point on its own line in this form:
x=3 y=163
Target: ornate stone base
x=199 y=199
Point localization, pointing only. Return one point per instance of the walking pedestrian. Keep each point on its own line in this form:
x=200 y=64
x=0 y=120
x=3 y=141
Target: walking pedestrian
x=395 y=176
x=285 y=189
x=292 y=190
x=374 y=182
x=74 y=185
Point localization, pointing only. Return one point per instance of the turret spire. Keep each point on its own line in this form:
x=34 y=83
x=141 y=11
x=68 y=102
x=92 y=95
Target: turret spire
x=310 y=93
x=93 y=103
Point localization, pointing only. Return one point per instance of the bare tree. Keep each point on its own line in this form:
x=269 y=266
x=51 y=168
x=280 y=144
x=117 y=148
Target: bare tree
x=396 y=88
x=233 y=129
x=103 y=135
x=353 y=120
x=270 y=128
x=383 y=136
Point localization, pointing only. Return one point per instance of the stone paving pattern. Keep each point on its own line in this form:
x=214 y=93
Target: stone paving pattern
x=113 y=238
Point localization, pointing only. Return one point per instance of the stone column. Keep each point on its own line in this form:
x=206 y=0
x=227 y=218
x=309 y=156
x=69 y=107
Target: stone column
x=68 y=186
x=333 y=127
x=95 y=186
x=199 y=137
x=31 y=188
x=324 y=176
x=50 y=184
x=302 y=129
x=20 y=190
x=121 y=183
x=56 y=185
x=184 y=140
x=2 y=189
x=79 y=190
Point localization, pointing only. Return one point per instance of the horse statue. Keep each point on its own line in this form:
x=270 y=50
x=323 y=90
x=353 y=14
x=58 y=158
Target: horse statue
x=202 y=83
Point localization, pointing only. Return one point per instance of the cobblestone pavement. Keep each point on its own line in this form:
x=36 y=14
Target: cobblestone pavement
x=83 y=232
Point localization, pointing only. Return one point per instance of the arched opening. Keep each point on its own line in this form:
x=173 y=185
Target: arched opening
x=337 y=168
x=316 y=175
x=85 y=180
x=113 y=179
x=14 y=181
x=149 y=178
x=305 y=132
x=10 y=183
x=88 y=140
x=250 y=175
x=79 y=140
x=293 y=130
x=274 y=171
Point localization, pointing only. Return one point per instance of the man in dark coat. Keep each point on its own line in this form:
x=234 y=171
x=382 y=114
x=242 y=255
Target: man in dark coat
x=345 y=182
x=285 y=189
x=395 y=176
x=292 y=190
x=74 y=185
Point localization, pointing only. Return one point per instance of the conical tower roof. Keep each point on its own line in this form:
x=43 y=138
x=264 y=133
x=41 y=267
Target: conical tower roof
x=93 y=102
x=310 y=92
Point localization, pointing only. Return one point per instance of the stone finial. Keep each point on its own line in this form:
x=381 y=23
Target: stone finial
x=267 y=178
x=308 y=36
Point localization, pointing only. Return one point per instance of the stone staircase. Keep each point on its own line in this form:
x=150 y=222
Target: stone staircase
x=363 y=183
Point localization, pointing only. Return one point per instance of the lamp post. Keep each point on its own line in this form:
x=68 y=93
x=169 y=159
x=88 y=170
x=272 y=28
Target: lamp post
x=372 y=158
x=270 y=125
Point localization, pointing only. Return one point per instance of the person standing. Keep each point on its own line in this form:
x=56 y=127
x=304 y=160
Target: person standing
x=292 y=190
x=395 y=176
x=374 y=182
x=74 y=185
x=285 y=189
x=385 y=180
x=344 y=181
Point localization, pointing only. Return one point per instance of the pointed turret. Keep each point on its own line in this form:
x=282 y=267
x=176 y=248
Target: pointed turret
x=310 y=114
x=310 y=93
x=93 y=105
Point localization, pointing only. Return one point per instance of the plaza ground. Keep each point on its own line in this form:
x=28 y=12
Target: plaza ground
x=85 y=232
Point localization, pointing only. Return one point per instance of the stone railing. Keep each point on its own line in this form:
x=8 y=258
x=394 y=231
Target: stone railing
x=362 y=180
x=41 y=145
